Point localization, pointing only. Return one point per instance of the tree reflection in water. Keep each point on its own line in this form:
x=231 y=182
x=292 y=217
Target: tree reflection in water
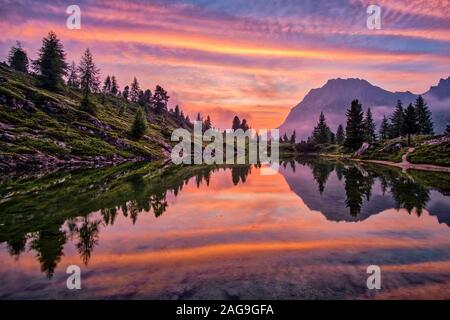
x=45 y=213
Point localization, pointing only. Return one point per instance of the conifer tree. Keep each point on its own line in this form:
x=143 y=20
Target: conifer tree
x=397 y=127
x=73 y=80
x=114 y=86
x=410 y=122
x=177 y=112
x=18 y=59
x=340 y=136
x=126 y=92
x=355 y=126
x=107 y=85
x=244 y=125
x=160 y=99
x=134 y=92
x=51 y=64
x=425 y=124
x=369 y=128
x=321 y=133
x=139 y=125
x=89 y=77
x=207 y=124
x=293 y=137
x=384 y=128
x=236 y=123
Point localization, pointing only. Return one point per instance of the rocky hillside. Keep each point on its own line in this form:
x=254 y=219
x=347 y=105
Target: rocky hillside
x=45 y=130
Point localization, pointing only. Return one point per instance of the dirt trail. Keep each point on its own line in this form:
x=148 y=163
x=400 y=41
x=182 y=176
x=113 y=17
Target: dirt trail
x=406 y=165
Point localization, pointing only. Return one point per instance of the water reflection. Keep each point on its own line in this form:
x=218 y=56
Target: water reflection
x=45 y=214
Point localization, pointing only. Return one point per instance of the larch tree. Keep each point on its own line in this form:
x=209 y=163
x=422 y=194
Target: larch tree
x=18 y=59
x=51 y=64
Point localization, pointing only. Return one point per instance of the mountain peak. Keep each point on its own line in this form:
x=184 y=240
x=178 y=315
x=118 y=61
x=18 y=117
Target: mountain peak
x=442 y=90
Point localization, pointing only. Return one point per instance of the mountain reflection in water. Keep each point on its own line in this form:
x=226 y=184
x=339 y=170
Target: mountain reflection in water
x=227 y=232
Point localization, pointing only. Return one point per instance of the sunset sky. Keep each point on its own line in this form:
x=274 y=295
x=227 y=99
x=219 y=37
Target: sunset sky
x=253 y=58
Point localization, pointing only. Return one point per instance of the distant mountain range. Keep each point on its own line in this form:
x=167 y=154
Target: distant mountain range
x=336 y=96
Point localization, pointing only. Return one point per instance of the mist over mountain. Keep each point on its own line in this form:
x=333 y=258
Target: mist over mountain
x=335 y=97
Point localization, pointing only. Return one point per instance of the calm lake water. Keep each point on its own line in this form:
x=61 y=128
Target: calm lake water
x=309 y=232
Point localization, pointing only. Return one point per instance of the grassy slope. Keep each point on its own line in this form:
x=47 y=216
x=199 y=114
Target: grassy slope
x=64 y=130
x=424 y=154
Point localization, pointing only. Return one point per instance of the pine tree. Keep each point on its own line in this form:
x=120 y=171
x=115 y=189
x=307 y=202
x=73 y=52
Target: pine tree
x=134 y=92
x=397 y=127
x=51 y=64
x=236 y=123
x=384 y=128
x=177 y=112
x=73 y=80
x=369 y=128
x=160 y=99
x=293 y=137
x=244 y=125
x=18 y=59
x=340 y=136
x=321 y=133
x=107 y=85
x=145 y=98
x=139 y=125
x=332 y=137
x=207 y=124
x=423 y=117
x=355 y=126
x=89 y=77
x=114 y=86
x=285 y=138
x=410 y=122
x=126 y=92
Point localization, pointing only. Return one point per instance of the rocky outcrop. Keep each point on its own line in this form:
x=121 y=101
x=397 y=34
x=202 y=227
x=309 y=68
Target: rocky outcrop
x=362 y=150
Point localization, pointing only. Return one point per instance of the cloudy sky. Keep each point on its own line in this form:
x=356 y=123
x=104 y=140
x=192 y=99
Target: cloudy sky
x=253 y=58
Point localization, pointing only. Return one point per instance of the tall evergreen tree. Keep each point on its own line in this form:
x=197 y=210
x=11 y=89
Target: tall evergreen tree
x=139 y=124
x=397 y=127
x=51 y=64
x=114 y=86
x=207 y=124
x=285 y=138
x=160 y=99
x=340 y=136
x=384 y=128
x=177 y=112
x=411 y=123
x=355 y=126
x=73 y=79
x=423 y=117
x=89 y=75
x=135 y=89
x=145 y=98
x=293 y=137
x=369 y=128
x=126 y=92
x=321 y=132
x=18 y=59
x=236 y=123
x=244 y=125
x=107 y=85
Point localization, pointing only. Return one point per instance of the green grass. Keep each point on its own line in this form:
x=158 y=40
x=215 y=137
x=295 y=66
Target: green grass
x=434 y=154
x=38 y=129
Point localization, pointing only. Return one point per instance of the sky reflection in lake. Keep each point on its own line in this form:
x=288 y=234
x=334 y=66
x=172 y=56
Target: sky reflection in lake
x=308 y=232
